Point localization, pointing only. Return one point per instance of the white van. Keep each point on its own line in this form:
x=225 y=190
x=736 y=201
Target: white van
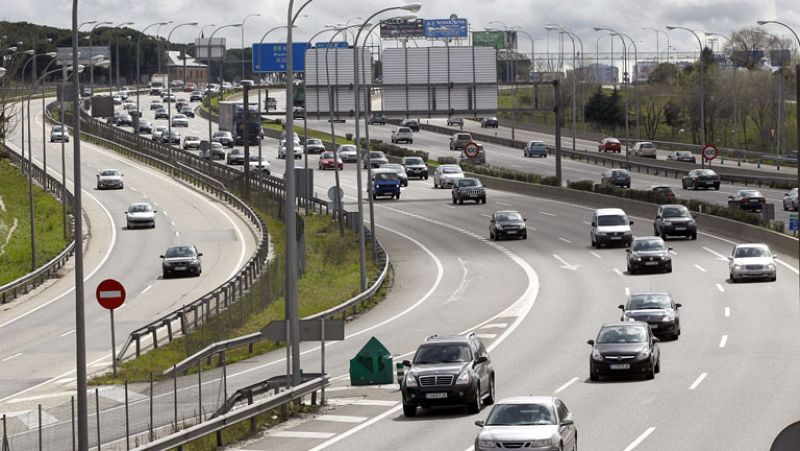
x=644 y=149
x=611 y=226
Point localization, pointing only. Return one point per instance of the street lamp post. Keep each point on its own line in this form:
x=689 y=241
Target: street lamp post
x=116 y=38
x=138 y=65
x=208 y=74
x=702 y=89
x=657 y=41
x=569 y=34
x=91 y=64
x=625 y=85
x=260 y=42
x=243 y=47
x=169 y=88
x=735 y=102
x=635 y=75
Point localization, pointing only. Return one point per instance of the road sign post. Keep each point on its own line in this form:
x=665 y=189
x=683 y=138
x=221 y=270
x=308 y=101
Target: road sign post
x=111 y=294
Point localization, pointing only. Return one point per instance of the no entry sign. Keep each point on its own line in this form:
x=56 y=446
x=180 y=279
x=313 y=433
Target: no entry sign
x=110 y=294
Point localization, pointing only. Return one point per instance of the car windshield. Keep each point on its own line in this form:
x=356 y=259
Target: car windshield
x=612 y=220
x=140 y=208
x=443 y=353
x=469 y=182
x=347 y=148
x=537 y=144
x=750 y=193
x=751 y=252
x=192 y=138
x=180 y=251
x=683 y=153
x=109 y=172
x=57 y=128
x=508 y=216
x=706 y=172
x=328 y=155
x=521 y=415
x=403 y=130
x=379 y=155
x=385 y=176
x=643 y=301
x=254 y=158
x=463 y=137
x=662 y=189
x=676 y=212
x=620 y=173
x=216 y=145
x=451 y=170
x=648 y=245
x=314 y=141
x=622 y=334
x=414 y=161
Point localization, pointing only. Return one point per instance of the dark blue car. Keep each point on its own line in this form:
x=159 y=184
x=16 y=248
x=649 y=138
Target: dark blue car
x=385 y=182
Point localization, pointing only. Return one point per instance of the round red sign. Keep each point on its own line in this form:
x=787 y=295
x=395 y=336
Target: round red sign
x=710 y=152
x=110 y=294
x=471 y=150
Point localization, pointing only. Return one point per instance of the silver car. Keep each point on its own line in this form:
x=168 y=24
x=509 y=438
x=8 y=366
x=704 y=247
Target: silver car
x=109 y=178
x=180 y=120
x=140 y=214
x=402 y=134
x=347 y=152
x=58 y=134
x=541 y=423
x=790 y=199
x=446 y=175
x=751 y=261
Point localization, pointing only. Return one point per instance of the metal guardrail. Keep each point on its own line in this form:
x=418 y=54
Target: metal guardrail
x=219 y=423
x=25 y=283
x=213 y=349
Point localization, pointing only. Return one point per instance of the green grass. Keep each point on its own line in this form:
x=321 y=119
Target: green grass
x=15 y=261
x=331 y=277
x=311 y=133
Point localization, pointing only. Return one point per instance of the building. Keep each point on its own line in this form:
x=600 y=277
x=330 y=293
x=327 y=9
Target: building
x=194 y=70
x=643 y=70
x=598 y=73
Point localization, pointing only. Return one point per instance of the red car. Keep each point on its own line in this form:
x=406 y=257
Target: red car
x=326 y=161
x=609 y=144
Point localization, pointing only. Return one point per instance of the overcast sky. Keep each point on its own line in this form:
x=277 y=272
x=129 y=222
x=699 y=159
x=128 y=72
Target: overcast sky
x=722 y=16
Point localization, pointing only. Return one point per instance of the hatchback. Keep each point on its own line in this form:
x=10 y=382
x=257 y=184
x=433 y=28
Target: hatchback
x=624 y=348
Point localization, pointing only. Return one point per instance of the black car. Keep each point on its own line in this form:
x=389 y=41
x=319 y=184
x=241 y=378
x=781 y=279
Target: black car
x=747 y=199
x=161 y=113
x=616 y=177
x=648 y=253
x=223 y=137
x=674 y=220
x=314 y=145
x=376 y=159
x=624 y=348
x=413 y=124
x=171 y=138
x=377 y=118
x=656 y=308
x=507 y=224
x=235 y=156
x=181 y=260
x=415 y=167
x=490 y=122
x=700 y=178
x=187 y=111
x=299 y=112
x=196 y=96
x=448 y=370
x=468 y=188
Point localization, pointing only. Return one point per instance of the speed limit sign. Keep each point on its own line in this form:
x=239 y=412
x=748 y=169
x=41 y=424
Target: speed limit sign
x=471 y=150
x=710 y=152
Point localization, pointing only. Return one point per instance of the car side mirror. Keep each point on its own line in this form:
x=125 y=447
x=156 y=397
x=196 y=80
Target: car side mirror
x=155 y=211
x=621 y=307
x=126 y=212
x=656 y=340
x=678 y=305
x=669 y=248
x=407 y=363
x=730 y=258
x=200 y=254
x=567 y=422
x=628 y=250
x=161 y=256
x=730 y=197
x=630 y=222
x=525 y=219
x=481 y=359
x=590 y=342
x=479 y=423
x=594 y=224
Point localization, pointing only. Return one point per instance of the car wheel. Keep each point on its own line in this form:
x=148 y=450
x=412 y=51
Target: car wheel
x=491 y=236
x=785 y=207
x=490 y=397
x=483 y=201
x=460 y=201
x=525 y=237
x=454 y=201
x=774 y=278
x=630 y=270
x=651 y=374
x=663 y=235
x=397 y=196
x=409 y=410
x=716 y=186
x=694 y=236
x=164 y=274
x=594 y=377
x=475 y=405
x=658 y=365
x=733 y=279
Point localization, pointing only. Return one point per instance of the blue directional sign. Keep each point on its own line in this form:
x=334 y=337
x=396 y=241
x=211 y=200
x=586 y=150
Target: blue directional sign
x=271 y=57
x=793 y=222
x=445 y=28
x=331 y=45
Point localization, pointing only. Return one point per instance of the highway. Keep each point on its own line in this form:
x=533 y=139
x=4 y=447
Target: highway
x=534 y=304
x=37 y=331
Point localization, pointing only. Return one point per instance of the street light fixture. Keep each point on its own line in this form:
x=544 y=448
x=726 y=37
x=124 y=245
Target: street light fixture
x=116 y=52
x=243 y=47
x=91 y=66
x=625 y=85
x=735 y=102
x=138 y=75
x=208 y=72
x=657 y=41
x=169 y=86
x=702 y=88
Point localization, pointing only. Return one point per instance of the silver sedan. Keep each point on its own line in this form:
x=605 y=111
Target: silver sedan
x=541 y=423
x=752 y=261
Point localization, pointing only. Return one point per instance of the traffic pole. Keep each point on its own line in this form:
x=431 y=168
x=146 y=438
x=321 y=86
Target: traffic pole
x=113 y=346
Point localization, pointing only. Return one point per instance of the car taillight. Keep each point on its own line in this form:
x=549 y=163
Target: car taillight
x=762 y=200
x=743 y=201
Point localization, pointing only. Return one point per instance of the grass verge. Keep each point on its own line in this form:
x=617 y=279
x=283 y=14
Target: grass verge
x=15 y=241
x=311 y=133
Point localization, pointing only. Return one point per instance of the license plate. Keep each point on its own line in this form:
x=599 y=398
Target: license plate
x=616 y=237
x=680 y=228
x=654 y=326
x=512 y=232
x=650 y=263
x=435 y=395
x=620 y=366
x=754 y=201
x=180 y=269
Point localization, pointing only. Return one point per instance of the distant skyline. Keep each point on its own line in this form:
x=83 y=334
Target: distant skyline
x=714 y=16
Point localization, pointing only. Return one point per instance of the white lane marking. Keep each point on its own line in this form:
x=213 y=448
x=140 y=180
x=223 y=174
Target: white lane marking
x=485 y=215
x=723 y=341
x=619 y=273
x=596 y=255
x=66 y=333
x=700 y=268
x=302 y=434
x=587 y=223
x=178 y=234
x=66 y=380
x=627 y=291
x=450 y=206
x=715 y=253
x=375 y=402
x=788 y=266
x=172 y=223
x=341 y=418
x=673 y=253
x=463 y=286
x=547 y=214
x=565 y=264
x=495 y=325
x=564 y=387
x=727 y=312
x=12 y=357
x=165 y=212
x=145 y=290
x=487 y=336
x=38 y=397
x=31 y=418
x=698 y=380
x=503 y=204
x=640 y=439
x=719 y=287
x=87 y=277
x=565 y=240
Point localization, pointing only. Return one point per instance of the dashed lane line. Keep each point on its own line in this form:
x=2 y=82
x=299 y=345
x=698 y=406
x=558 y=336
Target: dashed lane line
x=640 y=439
x=697 y=381
x=723 y=341
x=564 y=387
x=700 y=268
x=11 y=357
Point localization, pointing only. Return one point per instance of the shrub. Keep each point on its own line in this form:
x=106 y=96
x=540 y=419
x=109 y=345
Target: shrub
x=581 y=185
x=550 y=180
x=447 y=160
x=397 y=151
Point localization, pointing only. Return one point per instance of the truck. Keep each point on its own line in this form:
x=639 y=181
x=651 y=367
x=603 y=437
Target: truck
x=231 y=118
x=158 y=82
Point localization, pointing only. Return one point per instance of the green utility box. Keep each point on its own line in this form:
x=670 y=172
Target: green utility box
x=372 y=365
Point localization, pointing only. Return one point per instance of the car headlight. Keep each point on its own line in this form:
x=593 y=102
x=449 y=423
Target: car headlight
x=737 y=267
x=483 y=444
x=692 y=222
x=601 y=234
x=637 y=258
x=669 y=317
x=498 y=227
x=544 y=442
x=463 y=378
x=669 y=223
x=667 y=258
x=596 y=355
x=644 y=354
x=411 y=381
